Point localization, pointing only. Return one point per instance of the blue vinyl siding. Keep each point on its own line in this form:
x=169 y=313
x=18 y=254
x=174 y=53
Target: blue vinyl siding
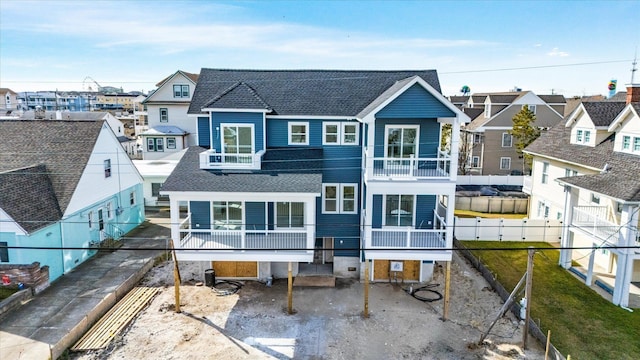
x=270 y=216
x=255 y=215
x=376 y=221
x=428 y=137
x=344 y=228
x=415 y=102
x=278 y=132
x=200 y=214
x=424 y=211
x=256 y=119
x=204 y=132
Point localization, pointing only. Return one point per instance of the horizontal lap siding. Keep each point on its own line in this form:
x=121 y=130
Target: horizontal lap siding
x=256 y=119
x=415 y=102
x=200 y=214
x=204 y=132
x=255 y=215
x=424 y=211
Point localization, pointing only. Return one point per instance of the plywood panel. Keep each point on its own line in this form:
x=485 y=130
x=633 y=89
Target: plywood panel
x=225 y=268
x=411 y=270
x=247 y=269
x=380 y=269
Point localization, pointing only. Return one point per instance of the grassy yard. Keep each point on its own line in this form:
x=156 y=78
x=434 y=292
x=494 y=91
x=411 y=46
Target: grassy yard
x=5 y=292
x=582 y=323
x=472 y=214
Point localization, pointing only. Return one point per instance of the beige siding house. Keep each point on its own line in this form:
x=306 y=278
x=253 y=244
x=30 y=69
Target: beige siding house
x=492 y=149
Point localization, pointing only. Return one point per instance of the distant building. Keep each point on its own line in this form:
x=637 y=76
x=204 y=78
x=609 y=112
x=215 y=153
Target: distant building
x=8 y=101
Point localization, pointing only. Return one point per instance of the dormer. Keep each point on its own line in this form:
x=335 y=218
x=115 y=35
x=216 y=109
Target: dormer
x=627 y=129
x=487 y=107
x=590 y=122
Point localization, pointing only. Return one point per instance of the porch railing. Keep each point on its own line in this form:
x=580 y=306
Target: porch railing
x=594 y=221
x=408 y=238
x=243 y=240
x=412 y=167
x=211 y=159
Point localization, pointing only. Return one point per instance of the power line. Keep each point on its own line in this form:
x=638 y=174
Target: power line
x=534 y=67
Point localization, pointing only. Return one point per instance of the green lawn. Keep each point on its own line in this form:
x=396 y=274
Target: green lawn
x=583 y=324
x=5 y=292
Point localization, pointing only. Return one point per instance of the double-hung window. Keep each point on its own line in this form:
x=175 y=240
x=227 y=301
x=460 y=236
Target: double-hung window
x=545 y=172
x=180 y=91
x=339 y=198
x=337 y=133
x=298 y=133
x=164 y=115
x=475 y=161
x=579 y=136
x=506 y=140
x=155 y=144
x=289 y=215
x=227 y=215
x=399 y=210
x=505 y=163
x=107 y=168
x=636 y=144
x=626 y=142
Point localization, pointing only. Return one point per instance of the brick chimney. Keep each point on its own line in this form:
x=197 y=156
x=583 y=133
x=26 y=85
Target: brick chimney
x=633 y=93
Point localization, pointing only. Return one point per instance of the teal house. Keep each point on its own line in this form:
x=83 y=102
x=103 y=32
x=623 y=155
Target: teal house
x=65 y=187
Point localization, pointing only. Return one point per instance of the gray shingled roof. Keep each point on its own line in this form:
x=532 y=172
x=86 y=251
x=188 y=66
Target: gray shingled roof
x=238 y=96
x=62 y=146
x=27 y=196
x=187 y=176
x=305 y=92
x=621 y=181
x=68 y=115
x=553 y=99
x=602 y=113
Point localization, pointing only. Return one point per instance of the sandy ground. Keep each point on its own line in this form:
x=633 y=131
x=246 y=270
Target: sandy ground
x=328 y=323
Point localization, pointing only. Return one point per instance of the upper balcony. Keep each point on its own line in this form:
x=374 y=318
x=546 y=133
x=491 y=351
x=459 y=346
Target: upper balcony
x=390 y=168
x=527 y=184
x=210 y=159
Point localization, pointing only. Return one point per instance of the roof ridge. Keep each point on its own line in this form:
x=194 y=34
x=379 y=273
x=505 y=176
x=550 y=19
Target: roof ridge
x=236 y=85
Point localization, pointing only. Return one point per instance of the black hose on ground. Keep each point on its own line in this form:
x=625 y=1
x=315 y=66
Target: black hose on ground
x=426 y=289
x=227 y=287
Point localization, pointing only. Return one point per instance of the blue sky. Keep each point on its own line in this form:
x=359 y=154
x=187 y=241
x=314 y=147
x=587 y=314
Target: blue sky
x=568 y=47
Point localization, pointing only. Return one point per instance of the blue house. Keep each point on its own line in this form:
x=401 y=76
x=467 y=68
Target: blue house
x=320 y=167
x=66 y=185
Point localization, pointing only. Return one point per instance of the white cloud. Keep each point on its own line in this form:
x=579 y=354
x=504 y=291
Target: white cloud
x=556 y=52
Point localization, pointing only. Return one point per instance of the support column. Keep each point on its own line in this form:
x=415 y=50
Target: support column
x=366 y=288
x=627 y=237
x=447 y=288
x=566 y=241
x=174 y=212
x=592 y=256
x=290 y=290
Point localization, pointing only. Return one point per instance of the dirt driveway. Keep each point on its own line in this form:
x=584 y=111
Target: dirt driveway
x=328 y=324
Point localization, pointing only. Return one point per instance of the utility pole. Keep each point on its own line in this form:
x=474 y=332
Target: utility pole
x=527 y=295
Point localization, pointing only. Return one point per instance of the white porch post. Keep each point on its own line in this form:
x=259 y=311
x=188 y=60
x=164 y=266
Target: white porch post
x=451 y=203
x=566 y=241
x=174 y=212
x=368 y=222
x=624 y=272
x=455 y=143
x=592 y=256
x=310 y=222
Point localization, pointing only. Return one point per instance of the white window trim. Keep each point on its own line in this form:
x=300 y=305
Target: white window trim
x=227 y=224
x=109 y=209
x=531 y=107
x=174 y=143
x=324 y=133
x=253 y=136
x=340 y=198
x=475 y=163
x=132 y=198
x=342 y=138
x=510 y=140
x=630 y=144
x=384 y=211
x=502 y=159
x=164 y=118
x=290 y=134
x=304 y=215
x=545 y=173
x=386 y=137
x=324 y=192
x=90 y=219
x=355 y=198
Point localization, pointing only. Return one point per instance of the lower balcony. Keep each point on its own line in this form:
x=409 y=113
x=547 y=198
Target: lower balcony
x=407 y=244
x=294 y=245
x=593 y=221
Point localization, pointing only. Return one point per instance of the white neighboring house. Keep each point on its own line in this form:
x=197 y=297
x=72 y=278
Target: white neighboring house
x=128 y=144
x=155 y=173
x=170 y=130
x=586 y=172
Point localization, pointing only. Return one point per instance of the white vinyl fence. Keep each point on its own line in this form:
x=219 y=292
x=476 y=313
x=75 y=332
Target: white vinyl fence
x=507 y=229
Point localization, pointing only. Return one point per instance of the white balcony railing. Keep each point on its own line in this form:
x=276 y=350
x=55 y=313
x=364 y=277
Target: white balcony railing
x=527 y=184
x=594 y=220
x=408 y=238
x=410 y=167
x=210 y=159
